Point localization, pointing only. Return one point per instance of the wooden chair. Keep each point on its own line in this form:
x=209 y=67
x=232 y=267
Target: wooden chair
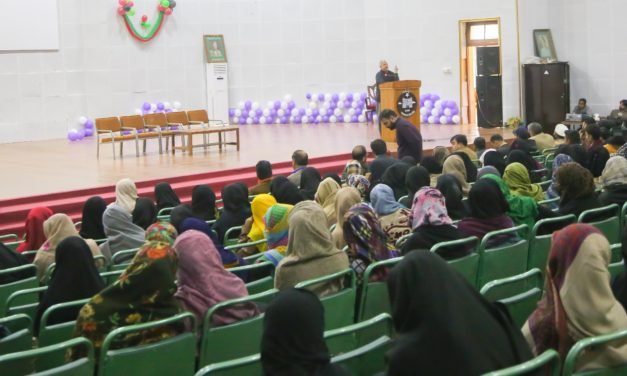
x=111 y=131
x=180 y=119
x=371 y=101
x=137 y=122
x=201 y=117
x=159 y=123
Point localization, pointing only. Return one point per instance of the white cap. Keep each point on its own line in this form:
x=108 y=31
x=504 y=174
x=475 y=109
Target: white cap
x=560 y=130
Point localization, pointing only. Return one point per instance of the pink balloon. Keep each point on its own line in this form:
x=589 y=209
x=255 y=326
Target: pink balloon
x=167 y=11
x=130 y=4
x=121 y=11
x=122 y=2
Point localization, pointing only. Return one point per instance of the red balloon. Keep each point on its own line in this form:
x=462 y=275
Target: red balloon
x=161 y=8
x=130 y=4
x=121 y=11
x=167 y=11
x=122 y=2
x=144 y=18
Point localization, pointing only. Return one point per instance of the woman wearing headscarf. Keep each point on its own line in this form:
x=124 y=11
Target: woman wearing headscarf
x=235 y=211
x=325 y=196
x=394 y=177
x=285 y=191
x=519 y=156
x=359 y=182
x=276 y=232
x=165 y=196
x=75 y=277
x=122 y=233
x=203 y=282
x=451 y=188
x=229 y=259
x=333 y=176
x=144 y=292
x=293 y=337
x=575 y=186
x=483 y=171
x=495 y=159
x=488 y=212
x=416 y=178
x=310 y=252
x=454 y=165
x=432 y=225
x=57 y=228
x=469 y=165
x=431 y=322
x=34 y=229
x=346 y=197
x=204 y=203
x=309 y=181
x=517 y=179
x=614 y=181
x=394 y=217
x=521 y=209
x=253 y=229
x=619 y=284
x=353 y=167
x=179 y=214
x=434 y=168
x=559 y=160
x=145 y=212
x=578 y=302
x=440 y=153
x=10 y=259
x=91 y=221
x=126 y=194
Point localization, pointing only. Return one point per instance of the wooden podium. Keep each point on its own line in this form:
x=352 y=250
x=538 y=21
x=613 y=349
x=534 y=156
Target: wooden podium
x=404 y=98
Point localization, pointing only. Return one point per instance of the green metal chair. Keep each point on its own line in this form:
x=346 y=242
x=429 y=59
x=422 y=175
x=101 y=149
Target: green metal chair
x=339 y=307
x=623 y=216
x=615 y=269
x=50 y=334
x=468 y=265
x=547 y=361
x=595 y=344
x=28 y=361
x=21 y=337
x=520 y=294
x=25 y=301
x=253 y=258
x=260 y=285
x=222 y=343
x=374 y=295
x=243 y=245
x=246 y=366
x=165 y=211
x=616 y=252
x=171 y=356
x=540 y=245
x=110 y=277
x=9 y=238
x=549 y=151
x=9 y=288
x=119 y=260
x=402 y=198
x=402 y=240
x=609 y=226
x=549 y=202
x=503 y=260
x=231 y=235
x=366 y=360
x=348 y=338
x=545 y=185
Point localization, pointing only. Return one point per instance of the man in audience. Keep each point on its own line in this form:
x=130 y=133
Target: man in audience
x=559 y=133
x=614 y=143
x=360 y=154
x=479 y=143
x=597 y=154
x=381 y=161
x=264 y=178
x=459 y=142
x=300 y=159
x=543 y=140
x=497 y=142
x=620 y=114
x=523 y=141
x=581 y=107
x=408 y=138
x=572 y=137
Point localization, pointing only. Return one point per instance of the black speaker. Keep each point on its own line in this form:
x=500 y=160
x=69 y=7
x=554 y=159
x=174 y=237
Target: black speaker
x=488 y=61
x=489 y=101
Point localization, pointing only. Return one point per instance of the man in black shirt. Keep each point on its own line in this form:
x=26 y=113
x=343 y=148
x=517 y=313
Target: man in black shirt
x=381 y=161
x=408 y=138
x=384 y=75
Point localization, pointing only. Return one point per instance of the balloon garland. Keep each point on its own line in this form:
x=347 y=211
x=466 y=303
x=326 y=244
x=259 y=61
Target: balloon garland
x=126 y=10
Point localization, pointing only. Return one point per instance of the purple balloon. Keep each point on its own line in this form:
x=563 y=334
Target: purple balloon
x=435 y=97
x=168 y=110
x=146 y=106
x=449 y=120
x=325 y=119
x=335 y=97
x=259 y=112
x=72 y=134
x=347 y=104
x=160 y=106
x=248 y=104
x=308 y=95
x=277 y=105
x=320 y=97
x=354 y=118
x=333 y=105
x=454 y=111
x=291 y=104
x=363 y=96
x=425 y=118
x=349 y=97
x=245 y=113
x=242 y=120
x=301 y=111
x=296 y=120
x=256 y=120
x=315 y=112
x=231 y=112
x=89 y=132
x=284 y=119
x=89 y=124
x=272 y=112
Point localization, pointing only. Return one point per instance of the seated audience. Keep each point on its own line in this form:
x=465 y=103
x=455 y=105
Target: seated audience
x=517 y=179
x=597 y=153
x=358 y=164
x=229 y=259
x=497 y=142
x=559 y=160
x=333 y=176
x=431 y=224
x=619 y=284
x=393 y=216
x=91 y=221
x=300 y=160
x=470 y=166
x=614 y=181
x=310 y=251
x=622 y=151
x=253 y=229
x=204 y=203
x=575 y=186
x=126 y=194
x=346 y=197
x=381 y=161
x=75 y=277
x=576 y=152
x=523 y=141
x=459 y=143
x=495 y=159
x=454 y=165
x=122 y=233
x=451 y=189
x=436 y=310
x=293 y=337
x=353 y=167
x=285 y=191
x=409 y=160
x=521 y=209
x=440 y=153
x=152 y=273
x=572 y=137
x=613 y=144
x=483 y=171
x=145 y=212
x=203 y=282
x=309 y=181
x=394 y=177
x=235 y=211
x=360 y=183
x=10 y=259
x=578 y=302
x=276 y=232
x=480 y=146
x=179 y=214
x=530 y=164
x=620 y=114
x=165 y=197
x=543 y=140
x=416 y=178
x=559 y=134
x=325 y=196
x=263 y=169
x=34 y=229
x=582 y=107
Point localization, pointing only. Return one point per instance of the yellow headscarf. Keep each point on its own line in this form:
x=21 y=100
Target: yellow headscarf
x=259 y=207
x=517 y=179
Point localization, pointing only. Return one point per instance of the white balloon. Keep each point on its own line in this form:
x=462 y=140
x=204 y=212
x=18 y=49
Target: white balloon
x=262 y=120
x=342 y=96
x=337 y=112
x=249 y=120
x=313 y=105
x=138 y=111
x=308 y=112
x=241 y=105
x=234 y=120
x=438 y=104
x=167 y=105
x=176 y=105
x=442 y=119
x=354 y=104
x=351 y=111
x=82 y=120
x=266 y=112
x=294 y=112
x=327 y=97
x=153 y=107
x=314 y=97
x=423 y=111
x=456 y=119
x=305 y=119
x=375 y=118
x=270 y=104
x=284 y=105
x=340 y=104
x=431 y=119
x=362 y=118
x=238 y=112
x=447 y=111
x=326 y=105
x=347 y=118
x=333 y=119
x=356 y=96
x=255 y=105
x=318 y=118
x=280 y=112
x=435 y=112
x=277 y=121
x=428 y=103
x=287 y=97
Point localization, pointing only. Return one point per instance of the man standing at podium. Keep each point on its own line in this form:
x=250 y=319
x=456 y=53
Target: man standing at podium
x=408 y=138
x=384 y=75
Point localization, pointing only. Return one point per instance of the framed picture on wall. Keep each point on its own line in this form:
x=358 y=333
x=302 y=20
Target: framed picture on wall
x=543 y=44
x=215 y=50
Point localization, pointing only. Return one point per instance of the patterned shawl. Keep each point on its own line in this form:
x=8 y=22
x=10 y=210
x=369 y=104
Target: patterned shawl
x=260 y=205
x=276 y=232
x=360 y=182
x=429 y=208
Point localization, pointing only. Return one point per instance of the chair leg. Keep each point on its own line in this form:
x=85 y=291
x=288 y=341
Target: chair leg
x=136 y=147
x=113 y=147
x=144 y=146
x=160 y=148
x=97 y=148
x=121 y=149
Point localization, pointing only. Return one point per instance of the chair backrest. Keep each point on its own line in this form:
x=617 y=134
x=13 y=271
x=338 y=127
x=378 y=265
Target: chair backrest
x=108 y=124
x=9 y=288
x=158 y=119
x=605 y=219
x=231 y=235
x=540 y=245
x=374 y=295
x=179 y=117
x=519 y=294
x=25 y=301
x=350 y=337
x=164 y=212
x=122 y=257
x=468 y=265
x=545 y=185
x=547 y=363
x=399 y=243
x=368 y=359
x=198 y=115
x=260 y=285
x=132 y=121
x=615 y=269
x=9 y=238
x=221 y=343
x=244 y=245
x=28 y=361
x=594 y=344
x=246 y=366
x=21 y=337
x=111 y=276
x=503 y=260
x=623 y=215
x=50 y=334
x=171 y=356
x=339 y=307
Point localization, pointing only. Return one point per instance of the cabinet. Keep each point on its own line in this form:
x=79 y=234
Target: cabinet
x=547 y=94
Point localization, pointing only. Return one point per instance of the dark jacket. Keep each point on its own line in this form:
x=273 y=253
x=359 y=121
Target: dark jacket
x=378 y=166
x=614 y=194
x=408 y=139
x=597 y=156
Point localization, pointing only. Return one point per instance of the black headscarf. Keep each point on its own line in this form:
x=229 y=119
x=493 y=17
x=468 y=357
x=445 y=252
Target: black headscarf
x=179 y=214
x=236 y=209
x=486 y=200
x=91 y=226
x=471 y=168
x=75 y=277
x=448 y=330
x=416 y=178
x=11 y=259
x=204 y=202
x=145 y=212
x=165 y=196
x=309 y=181
x=576 y=152
x=284 y=191
x=495 y=159
x=432 y=165
x=409 y=160
x=452 y=190
x=523 y=158
x=394 y=176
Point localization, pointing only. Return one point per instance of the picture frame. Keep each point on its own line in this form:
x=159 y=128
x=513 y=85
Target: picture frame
x=215 y=49
x=543 y=44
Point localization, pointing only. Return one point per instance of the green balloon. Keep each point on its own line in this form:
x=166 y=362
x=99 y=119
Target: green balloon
x=131 y=12
x=165 y=3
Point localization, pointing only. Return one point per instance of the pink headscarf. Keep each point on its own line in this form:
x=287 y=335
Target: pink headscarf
x=429 y=208
x=203 y=281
